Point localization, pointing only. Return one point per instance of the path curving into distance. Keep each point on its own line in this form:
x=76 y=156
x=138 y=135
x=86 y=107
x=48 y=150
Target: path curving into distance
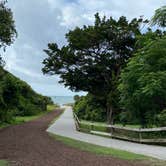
x=65 y=126
x=30 y=145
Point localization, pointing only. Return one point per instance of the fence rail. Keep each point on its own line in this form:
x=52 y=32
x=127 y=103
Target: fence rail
x=151 y=136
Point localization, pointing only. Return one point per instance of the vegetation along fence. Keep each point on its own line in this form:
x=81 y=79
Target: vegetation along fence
x=150 y=136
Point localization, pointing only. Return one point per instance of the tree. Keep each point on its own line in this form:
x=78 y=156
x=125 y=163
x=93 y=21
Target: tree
x=159 y=17
x=143 y=83
x=18 y=98
x=93 y=58
x=7 y=27
x=89 y=108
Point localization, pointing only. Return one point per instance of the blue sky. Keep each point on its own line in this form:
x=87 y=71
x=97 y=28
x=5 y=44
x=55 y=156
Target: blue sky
x=39 y=22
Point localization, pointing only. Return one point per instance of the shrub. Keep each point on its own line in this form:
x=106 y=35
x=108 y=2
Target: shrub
x=6 y=116
x=161 y=118
x=17 y=95
x=80 y=107
x=89 y=108
x=143 y=83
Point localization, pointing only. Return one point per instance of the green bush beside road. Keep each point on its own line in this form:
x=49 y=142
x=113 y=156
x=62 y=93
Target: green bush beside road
x=17 y=98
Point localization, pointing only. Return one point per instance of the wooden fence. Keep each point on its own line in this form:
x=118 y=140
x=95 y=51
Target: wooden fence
x=150 y=135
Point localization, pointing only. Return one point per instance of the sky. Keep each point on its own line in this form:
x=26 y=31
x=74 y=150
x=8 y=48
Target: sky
x=39 y=22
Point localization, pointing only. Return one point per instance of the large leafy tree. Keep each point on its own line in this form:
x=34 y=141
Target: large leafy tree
x=7 y=27
x=93 y=58
x=159 y=17
x=143 y=83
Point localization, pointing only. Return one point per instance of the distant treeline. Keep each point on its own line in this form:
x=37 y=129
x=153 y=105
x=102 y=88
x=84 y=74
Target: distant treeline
x=17 y=98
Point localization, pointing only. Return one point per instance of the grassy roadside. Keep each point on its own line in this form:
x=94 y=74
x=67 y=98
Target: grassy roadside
x=132 y=126
x=104 y=123
x=23 y=119
x=99 y=149
x=3 y=163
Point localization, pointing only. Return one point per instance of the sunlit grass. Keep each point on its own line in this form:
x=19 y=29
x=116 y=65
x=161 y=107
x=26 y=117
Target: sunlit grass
x=3 y=163
x=51 y=107
x=117 y=124
x=100 y=150
x=129 y=126
x=23 y=119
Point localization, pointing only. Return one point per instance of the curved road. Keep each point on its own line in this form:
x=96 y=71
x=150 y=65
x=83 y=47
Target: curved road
x=30 y=145
x=65 y=126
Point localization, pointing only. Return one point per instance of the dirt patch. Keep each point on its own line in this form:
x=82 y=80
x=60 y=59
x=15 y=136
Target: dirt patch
x=30 y=145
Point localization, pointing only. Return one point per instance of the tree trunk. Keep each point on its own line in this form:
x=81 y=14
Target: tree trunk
x=110 y=115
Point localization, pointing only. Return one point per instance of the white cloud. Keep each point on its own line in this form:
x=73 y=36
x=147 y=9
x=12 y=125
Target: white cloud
x=79 y=12
x=39 y=22
x=11 y=60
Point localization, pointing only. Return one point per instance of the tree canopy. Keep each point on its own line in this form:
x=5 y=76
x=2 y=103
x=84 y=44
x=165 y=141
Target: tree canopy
x=7 y=27
x=94 y=55
x=143 y=83
x=159 y=17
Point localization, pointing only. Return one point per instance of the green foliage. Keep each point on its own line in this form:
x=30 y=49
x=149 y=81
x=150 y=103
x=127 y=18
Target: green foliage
x=7 y=27
x=6 y=116
x=93 y=58
x=52 y=107
x=22 y=119
x=80 y=107
x=92 y=61
x=159 y=17
x=149 y=36
x=4 y=163
x=89 y=108
x=93 y=55
x=124 y=117
x=18 y=98
x=100 y=150
x=161 y=118
x=143 y=83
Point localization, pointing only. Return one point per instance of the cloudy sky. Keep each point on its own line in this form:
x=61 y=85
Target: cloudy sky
x=39 y=22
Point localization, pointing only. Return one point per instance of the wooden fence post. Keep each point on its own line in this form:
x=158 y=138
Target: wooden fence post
x=140 y=135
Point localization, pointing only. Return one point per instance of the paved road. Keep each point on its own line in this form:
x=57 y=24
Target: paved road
x=65 y=126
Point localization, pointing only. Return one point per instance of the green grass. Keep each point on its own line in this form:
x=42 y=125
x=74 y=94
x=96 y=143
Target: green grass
x=51 y=107
x=96 y=127
x=101 y=126
x=3 y=163
x=4 y=125
x=96 y=123
x=104 y=151
x=100 y=150
x=118 y=124
x=135 y=126
x=23 y=119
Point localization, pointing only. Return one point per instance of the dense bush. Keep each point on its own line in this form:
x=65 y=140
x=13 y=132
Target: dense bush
x=90 y=108
x=142 y=90
x=143 y=84
x=18 y=98
x=161 y=118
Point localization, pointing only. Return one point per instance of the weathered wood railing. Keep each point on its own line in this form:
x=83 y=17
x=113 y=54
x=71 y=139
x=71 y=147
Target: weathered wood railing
x=77 y=121
x=151 y=135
